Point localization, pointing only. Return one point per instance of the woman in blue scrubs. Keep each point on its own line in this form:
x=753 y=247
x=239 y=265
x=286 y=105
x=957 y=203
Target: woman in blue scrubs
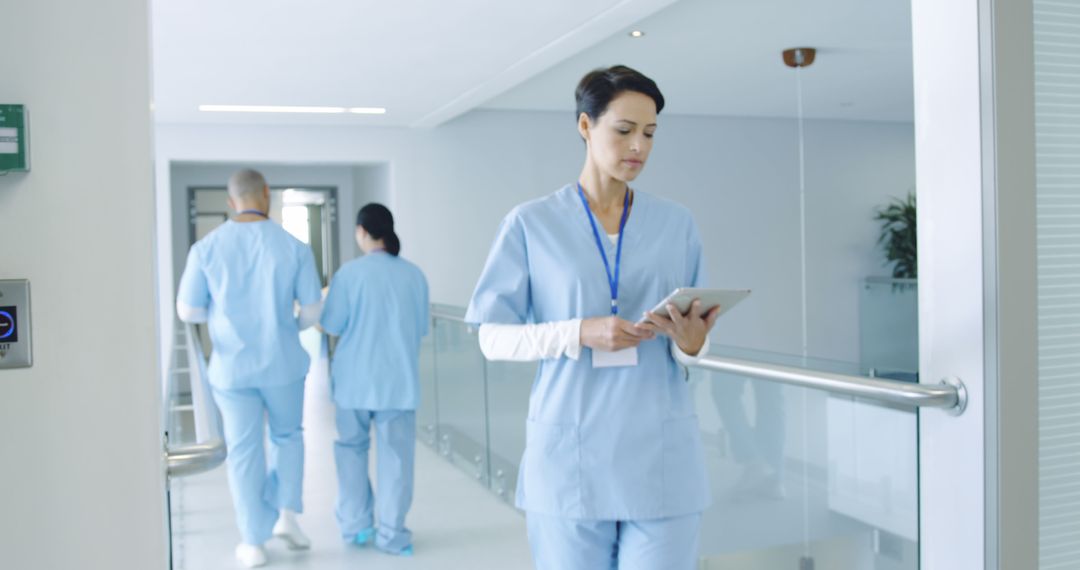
x=613 y=474
x=378 y=306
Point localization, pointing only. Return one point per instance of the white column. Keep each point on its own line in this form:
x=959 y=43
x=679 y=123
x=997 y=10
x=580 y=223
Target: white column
x=974 y=161
x=81 y=473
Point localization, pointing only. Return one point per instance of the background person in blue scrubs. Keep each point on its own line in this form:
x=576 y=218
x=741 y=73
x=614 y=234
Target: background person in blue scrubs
x=613 y=474
x=378 y=305
x=244 y=279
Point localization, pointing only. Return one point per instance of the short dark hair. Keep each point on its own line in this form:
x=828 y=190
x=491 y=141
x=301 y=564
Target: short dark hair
x=599 y=87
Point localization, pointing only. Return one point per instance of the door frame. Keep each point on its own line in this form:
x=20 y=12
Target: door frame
x=330 y=226
x=974 y=132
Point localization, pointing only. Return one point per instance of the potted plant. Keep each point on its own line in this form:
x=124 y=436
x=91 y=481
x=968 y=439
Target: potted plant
x=898 y=236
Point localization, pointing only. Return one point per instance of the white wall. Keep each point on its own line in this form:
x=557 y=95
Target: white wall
x=1058 y=296
x=82 y=482
x=452 y=185
x=371 y=183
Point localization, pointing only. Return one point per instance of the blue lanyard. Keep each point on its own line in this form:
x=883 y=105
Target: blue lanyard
x=613 y=281
x=255 y=212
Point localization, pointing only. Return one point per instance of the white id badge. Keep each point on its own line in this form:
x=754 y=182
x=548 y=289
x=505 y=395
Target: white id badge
x=605 y=359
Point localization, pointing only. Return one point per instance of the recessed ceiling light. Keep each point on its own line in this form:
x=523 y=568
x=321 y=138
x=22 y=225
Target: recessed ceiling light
x=637 y=34
x=291 y=109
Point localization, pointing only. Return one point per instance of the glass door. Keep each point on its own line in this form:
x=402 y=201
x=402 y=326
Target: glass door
x=808 y=174
x=824 y=236
x=868 y=217
x=309 y=214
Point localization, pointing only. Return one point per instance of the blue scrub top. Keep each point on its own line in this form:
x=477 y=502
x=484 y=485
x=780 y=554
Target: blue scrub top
x=378 y=305
x=602 y=443
x=248 y=275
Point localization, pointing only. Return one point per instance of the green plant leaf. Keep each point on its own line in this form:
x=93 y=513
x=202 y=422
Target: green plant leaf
x=898 y=235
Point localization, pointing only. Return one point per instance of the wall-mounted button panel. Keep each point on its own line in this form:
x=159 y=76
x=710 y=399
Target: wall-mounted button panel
x=15 y=350
x=14 y=139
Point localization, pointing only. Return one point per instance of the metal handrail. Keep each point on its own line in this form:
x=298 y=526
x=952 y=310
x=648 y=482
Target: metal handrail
x=448 y=312
x=950 y=394
x=195 y=458
x=209 y=451
x=207 y=421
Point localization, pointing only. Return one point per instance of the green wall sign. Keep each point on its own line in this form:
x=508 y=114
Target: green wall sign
x=14 y=139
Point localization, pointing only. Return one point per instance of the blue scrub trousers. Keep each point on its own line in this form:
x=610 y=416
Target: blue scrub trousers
x=258 y=493
x=559 y=543
x=395 y=439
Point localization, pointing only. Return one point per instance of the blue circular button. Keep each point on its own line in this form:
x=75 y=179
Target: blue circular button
x=6 y=322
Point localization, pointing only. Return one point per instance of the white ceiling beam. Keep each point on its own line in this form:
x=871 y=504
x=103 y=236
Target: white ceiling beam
x=620 y=15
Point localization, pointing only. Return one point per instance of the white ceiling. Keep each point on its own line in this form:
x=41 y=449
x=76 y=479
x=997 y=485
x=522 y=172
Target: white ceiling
x=425 y=60
x=713 y=57
x=428 y=61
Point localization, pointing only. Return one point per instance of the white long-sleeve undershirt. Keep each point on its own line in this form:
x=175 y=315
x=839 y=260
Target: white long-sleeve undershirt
x=541 y=341
x=189 y=314
x=525 y=343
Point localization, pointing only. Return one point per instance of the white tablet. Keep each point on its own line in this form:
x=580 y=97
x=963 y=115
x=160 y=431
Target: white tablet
x=683 y=296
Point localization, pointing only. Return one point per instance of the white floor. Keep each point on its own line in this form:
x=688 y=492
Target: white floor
x=456 y=523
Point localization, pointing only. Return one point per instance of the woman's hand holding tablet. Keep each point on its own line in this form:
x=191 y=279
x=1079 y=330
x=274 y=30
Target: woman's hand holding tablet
x=612 y=333
x=687 y=315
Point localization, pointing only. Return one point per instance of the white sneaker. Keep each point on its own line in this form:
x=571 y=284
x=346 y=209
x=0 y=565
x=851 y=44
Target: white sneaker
x=250 y=555
x=288 y=529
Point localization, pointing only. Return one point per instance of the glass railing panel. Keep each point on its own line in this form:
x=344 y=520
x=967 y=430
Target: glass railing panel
x=427 y=418
x=785 y=359
x=509 y=385
x=178 y=403
x=461 y=403
x=889 y=328
x=804 y=479
x=800 y=478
